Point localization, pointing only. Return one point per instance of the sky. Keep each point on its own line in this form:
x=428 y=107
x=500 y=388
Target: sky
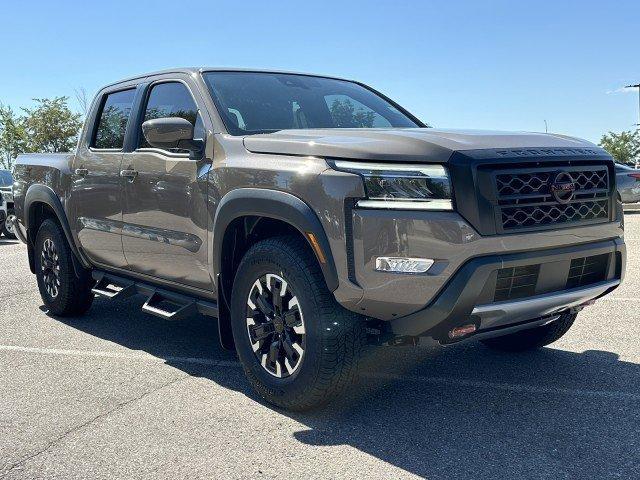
x=501 y=65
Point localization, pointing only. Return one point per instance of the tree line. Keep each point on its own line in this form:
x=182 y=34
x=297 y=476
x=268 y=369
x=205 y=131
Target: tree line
x=50 y=126
x=624 y=146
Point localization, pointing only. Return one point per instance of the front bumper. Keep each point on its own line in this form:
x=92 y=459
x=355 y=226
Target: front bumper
x=445 y=237
x=468 y=297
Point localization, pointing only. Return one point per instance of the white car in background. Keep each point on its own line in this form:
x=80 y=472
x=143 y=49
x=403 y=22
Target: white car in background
x=7 y=214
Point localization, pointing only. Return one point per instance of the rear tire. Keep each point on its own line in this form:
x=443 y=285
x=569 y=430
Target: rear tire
x=534 y=337
x=301 y=311
x=63 y=293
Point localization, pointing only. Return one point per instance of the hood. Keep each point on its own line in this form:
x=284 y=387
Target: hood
x=410 y=144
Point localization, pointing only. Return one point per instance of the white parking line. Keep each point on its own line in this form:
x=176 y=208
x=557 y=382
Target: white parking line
x=454 y=382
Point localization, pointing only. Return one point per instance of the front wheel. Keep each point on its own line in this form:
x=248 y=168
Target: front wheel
x=298 y=347
x=62 y=292
x=534 y=337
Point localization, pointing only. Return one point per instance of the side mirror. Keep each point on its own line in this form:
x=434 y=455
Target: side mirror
x=170 y=132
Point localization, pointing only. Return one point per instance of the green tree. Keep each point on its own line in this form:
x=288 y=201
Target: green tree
x=13 y=136
x=345 y=115
x=51 y=126
x=624 y=147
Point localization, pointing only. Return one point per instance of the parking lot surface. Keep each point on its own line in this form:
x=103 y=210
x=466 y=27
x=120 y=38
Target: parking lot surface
x=120 y=394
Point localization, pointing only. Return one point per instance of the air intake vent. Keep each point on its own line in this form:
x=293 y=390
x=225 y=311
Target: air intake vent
x=587 y=270
x=516 y=282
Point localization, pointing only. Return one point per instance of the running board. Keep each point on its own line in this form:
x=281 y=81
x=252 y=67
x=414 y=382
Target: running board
x=160 y=302
x=169 y=307
x=105 y=287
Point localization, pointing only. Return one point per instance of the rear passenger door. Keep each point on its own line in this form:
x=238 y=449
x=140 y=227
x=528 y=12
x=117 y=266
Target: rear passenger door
x=96 y=189
x=165 y=195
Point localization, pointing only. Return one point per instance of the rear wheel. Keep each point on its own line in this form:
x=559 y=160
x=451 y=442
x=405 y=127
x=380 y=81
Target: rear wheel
x=534 y=337
x=298 y=347
x=7 y=225
x=62 y=292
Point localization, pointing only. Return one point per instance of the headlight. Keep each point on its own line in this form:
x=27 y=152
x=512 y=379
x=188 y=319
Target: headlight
x=402 y=186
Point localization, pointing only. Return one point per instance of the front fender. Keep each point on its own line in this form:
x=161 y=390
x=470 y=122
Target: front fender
x=277 y=205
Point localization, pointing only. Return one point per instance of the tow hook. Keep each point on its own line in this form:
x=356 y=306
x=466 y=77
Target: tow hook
x=462 y=331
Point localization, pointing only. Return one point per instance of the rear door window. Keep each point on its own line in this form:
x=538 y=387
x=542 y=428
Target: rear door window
x=172 y=99
x=112 y=122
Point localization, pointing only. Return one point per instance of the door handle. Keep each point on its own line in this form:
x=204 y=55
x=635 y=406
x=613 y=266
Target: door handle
x=129 y=174
x=82 y=172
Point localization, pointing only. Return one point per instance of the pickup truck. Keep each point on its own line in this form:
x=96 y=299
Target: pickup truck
x=315 y=217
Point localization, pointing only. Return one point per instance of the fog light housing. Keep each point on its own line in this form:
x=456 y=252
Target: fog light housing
x=403 y=264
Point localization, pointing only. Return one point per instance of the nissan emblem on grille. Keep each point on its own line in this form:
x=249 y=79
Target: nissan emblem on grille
x=563 y=187
x=538 y=197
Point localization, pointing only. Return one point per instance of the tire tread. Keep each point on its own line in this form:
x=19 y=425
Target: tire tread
x=341 y=351
x=75 y=296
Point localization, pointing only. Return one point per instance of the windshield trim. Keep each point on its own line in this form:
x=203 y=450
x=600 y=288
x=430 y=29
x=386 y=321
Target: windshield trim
x=419 y=123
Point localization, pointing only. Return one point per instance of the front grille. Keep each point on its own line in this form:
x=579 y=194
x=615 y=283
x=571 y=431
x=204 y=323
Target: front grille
x=541 y=215
x=516 y=282
x=520 y=184
x=587 y=270
x=525 y=198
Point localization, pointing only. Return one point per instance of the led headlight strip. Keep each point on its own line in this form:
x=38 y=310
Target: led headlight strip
x=402 y=186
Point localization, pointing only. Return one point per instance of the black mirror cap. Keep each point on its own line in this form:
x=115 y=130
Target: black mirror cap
x=170 y=132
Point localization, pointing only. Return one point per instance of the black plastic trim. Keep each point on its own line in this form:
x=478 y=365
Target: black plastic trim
x=472 y=180
x=456 y=301
x=272 y=204
x=38 y=193
x=349 y=205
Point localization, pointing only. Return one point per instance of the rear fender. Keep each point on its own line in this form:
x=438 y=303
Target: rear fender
x=35 y=195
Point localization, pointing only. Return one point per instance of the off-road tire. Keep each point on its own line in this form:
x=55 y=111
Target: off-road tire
x=74 y=296
x=335 y=337
x=532 y=338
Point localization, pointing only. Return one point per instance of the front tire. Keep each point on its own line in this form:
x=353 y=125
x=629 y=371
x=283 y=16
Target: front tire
x=299 y=348
x=533 y=338
x=63 y=293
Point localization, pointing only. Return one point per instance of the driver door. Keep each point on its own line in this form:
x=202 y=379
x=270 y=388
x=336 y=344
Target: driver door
x=165 y=215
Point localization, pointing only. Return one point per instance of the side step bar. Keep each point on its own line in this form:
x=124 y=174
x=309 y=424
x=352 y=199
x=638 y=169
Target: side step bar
x=111 y=289
x=160 y=302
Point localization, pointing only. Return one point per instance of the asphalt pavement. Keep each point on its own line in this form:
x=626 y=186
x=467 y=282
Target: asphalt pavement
x=120 y=394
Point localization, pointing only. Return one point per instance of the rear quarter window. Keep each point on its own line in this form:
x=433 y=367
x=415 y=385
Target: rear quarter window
x=113 y=119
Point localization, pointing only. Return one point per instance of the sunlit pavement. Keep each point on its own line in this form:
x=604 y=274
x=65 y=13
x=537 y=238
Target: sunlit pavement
x=120 y=394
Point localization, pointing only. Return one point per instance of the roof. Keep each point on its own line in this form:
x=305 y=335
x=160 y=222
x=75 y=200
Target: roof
x=192 y=70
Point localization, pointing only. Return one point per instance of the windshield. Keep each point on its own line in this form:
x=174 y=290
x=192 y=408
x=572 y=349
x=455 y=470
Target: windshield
x=6 y=179
x=252 y=102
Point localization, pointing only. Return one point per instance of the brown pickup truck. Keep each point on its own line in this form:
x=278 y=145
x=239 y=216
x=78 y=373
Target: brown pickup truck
x=313 y=216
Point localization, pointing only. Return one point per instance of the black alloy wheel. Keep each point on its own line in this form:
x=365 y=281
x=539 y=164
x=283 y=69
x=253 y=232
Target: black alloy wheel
x=275 y=326
x=50 y=268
